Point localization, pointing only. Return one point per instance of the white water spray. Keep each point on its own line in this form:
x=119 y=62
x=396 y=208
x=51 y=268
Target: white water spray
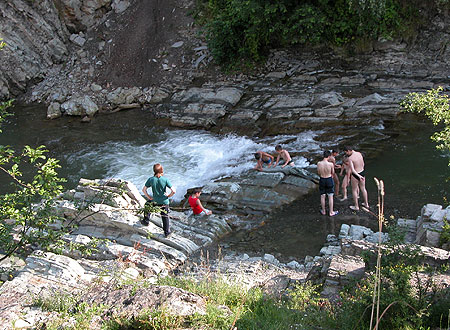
x=189 y=158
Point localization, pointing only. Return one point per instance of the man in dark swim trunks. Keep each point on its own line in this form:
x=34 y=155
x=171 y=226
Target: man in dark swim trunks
x=325 y=169
x=356 y=163
x=358 y=175
x=284 y=155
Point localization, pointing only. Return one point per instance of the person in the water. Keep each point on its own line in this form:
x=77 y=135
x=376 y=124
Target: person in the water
x=358 y=180
x=283 y=154
x=325 y=169
x=263 y=158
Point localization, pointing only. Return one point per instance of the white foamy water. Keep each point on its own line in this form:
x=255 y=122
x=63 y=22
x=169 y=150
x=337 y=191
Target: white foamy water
x=189 y=158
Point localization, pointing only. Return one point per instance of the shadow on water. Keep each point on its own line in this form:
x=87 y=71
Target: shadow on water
x=297 y=230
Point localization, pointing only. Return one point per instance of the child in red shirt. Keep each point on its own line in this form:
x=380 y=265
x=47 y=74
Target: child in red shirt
x=195 y=203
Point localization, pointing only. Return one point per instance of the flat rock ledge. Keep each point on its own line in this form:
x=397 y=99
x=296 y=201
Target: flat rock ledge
x=258 y=193
x=137 y=254
x=127 y=247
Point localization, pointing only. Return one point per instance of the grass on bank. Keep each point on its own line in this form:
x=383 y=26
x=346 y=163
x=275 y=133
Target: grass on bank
x=230 y=306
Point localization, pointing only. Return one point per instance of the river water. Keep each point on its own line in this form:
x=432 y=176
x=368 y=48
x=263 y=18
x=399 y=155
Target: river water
x=126 y=145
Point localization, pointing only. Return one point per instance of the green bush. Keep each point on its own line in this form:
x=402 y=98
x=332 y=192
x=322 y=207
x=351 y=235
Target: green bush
x=407 y=296
x=243 y=31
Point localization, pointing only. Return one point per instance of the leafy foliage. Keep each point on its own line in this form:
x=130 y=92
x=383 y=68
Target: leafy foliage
x=405 y=306
x=435 y=105
x=72 y=314
x=243 y=31
x=27 y=213
x=444 y=238
x=28 y=217
x=230 y=305
x=4 y=112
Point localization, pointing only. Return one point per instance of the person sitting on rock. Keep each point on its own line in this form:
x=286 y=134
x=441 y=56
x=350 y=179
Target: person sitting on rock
x=263 y=158
x=196 y=204
x=282 y=153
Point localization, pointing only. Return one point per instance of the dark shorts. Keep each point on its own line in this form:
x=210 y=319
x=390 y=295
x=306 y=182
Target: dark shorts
x=356 y=177
x=326 y=186
x=289 y=162
x=268 y=161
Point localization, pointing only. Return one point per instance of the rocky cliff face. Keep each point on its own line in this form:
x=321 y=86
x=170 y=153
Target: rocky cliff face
x=35 y=43
x=148 y=43
x=38 y=37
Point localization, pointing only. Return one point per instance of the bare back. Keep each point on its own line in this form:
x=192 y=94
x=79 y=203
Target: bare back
x=285 y=155
x=325 y=169
x=358 y=162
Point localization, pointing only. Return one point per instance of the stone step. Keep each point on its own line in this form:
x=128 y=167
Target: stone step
x=410 y=227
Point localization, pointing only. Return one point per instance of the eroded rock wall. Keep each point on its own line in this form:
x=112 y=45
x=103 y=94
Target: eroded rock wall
x=35 y=42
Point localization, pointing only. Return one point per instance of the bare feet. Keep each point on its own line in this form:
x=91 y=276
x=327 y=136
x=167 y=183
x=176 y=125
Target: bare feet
x=334 y=213
x=323 y=212
x=354 y=208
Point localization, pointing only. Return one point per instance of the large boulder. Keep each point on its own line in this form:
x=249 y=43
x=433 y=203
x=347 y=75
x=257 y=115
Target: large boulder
x=131 y=301
x=79 y=106
x=43 y=275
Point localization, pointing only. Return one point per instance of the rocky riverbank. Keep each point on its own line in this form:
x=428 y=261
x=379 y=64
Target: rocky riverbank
x=85 y=52
x=87 y=57
x=130 y=251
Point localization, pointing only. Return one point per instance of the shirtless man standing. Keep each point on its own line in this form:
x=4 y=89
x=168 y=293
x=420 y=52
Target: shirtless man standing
x=332 y=159
x=325 y=169
x=356 y=163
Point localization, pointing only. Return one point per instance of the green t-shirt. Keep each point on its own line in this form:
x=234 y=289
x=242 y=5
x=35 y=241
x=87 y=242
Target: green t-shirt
x=159 y=186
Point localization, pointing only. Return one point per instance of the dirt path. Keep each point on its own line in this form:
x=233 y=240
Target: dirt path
x=141 y=40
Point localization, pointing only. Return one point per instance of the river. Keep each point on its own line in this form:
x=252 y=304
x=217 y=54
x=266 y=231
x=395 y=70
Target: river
x=126 y=145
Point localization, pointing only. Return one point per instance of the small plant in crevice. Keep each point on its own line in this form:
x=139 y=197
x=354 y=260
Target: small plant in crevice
x=444 y=239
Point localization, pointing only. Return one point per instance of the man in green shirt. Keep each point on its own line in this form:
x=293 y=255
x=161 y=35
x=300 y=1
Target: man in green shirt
x=158 y=183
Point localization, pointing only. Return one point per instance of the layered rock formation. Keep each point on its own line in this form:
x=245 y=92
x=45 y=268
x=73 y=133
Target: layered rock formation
x=107 y=212
x=68 y=46
x=127 y=249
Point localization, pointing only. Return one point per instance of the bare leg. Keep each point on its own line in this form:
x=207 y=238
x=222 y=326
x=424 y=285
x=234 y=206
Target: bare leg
x=354 y=193
x=344 y=189
x=322 y=203
x=336 y=183
x=331 y=204
x=362 y=189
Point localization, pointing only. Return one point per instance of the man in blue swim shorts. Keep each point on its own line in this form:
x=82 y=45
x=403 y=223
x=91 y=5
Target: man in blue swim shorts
x=263 y=158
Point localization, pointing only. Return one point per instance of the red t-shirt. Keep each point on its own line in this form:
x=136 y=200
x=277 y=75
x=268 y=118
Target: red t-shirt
x=195 y=207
